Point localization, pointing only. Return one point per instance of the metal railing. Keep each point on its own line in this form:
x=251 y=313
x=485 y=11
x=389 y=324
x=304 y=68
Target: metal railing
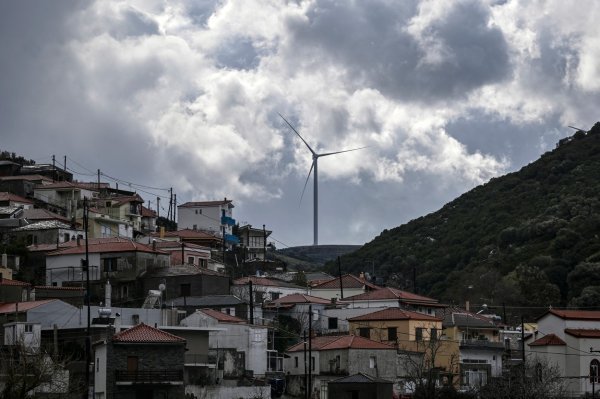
x=146 y=376
x=481 y=343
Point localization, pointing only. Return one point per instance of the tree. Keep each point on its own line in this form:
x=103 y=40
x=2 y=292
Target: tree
x=537 y=379
x=27 y=369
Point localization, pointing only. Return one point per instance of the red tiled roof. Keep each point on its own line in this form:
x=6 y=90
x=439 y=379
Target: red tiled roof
x=174 y=245
x=583 y=332
x=574 y=314
x=332 y=342
x=394 y=314
x=348 y=281
x=391 y=293
x=111 y=244
x=299 y=298
x=11 y=307
x=204 y=203
x=92 y=186
x=222 y=317
x=26 y=177
x=43 y=214
x=4 y=196
x=548 y=340
x=5 y=281
x=143 y=333
x=148 y=213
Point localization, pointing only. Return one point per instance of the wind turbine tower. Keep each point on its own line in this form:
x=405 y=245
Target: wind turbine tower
x=315 y=166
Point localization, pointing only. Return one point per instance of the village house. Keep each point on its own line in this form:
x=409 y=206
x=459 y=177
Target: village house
x=351 y=285
x=46 y=232
x=215 y=217
x=296 y=306
x=254 y=242
x=569 y=340
x=337 y=356
x=393 y=297
x=142 y=361
x=9 y=199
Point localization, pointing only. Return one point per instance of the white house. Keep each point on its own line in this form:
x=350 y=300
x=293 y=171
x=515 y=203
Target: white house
x=241 y=346
x=351 y=285
x=568 y=339
x=211 y=216
x=393 y=298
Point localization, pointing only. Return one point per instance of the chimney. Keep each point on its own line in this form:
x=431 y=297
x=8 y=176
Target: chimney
x=107 y=295
x=154 y=245
x=361 y=275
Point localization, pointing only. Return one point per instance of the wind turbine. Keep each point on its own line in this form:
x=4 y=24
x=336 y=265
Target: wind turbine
x=315 y=165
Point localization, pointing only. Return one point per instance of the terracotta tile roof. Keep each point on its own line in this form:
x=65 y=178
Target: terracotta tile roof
x=11 y=307
x=148 y=213
x=176 y=246
x=392 y=293
x=5 y=281
x=104 y=245
x=143 y=333
x=204 y=203
x=4 y=196
x=332 y=342
x=43 y=214
x=265 y=281
x=222 y=317
x=394 y=314
x=299 y=298
x=574 y=314
x=348 y=281
x=26 y=177
x=583 y=332
x=92 y=186
x=548 y=340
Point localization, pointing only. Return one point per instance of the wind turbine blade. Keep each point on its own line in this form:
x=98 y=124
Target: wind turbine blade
x=306 y=182
x=292 y=127
x=339 y=152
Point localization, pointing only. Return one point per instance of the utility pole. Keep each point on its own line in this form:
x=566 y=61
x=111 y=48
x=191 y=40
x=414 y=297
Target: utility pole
x=65 y=164
x=223 y=245
x=251 y=294
x=53 y=169
x=174 y=208
x=305 y=368
x=157 y=207
x=98 y=179
x=310 y=361
x=264 y=243
x=170 y=203
x=523 y=344
x=341 y=281
x=88 y=338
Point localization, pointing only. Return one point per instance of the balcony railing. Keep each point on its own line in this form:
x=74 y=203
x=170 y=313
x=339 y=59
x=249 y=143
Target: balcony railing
x=481 y=343
x=227 y=221
x=199 y=359
x=149 y=376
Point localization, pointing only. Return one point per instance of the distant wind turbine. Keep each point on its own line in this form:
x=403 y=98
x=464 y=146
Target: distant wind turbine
x=314 y=166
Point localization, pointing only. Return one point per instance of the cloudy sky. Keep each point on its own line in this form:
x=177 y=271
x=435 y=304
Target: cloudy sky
x=184 y=94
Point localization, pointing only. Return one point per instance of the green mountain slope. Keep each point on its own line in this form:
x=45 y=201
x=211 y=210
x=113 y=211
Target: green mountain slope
x=529 y=238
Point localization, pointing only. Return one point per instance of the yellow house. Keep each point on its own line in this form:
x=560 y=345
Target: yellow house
x=410 y=332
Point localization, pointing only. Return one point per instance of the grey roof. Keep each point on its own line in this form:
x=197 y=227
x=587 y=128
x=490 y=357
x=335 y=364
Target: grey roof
x=317 y=276
x=360 y=378
x=44 y=225
x=207 y=301
x=462 y=318
x=180 y=270
x=8 y=210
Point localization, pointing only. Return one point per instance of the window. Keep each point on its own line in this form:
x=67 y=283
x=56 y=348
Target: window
x=191 y=260
x=296 y=361
x=419 y=334
x=257 y=336
x=185 y=289
x=28 y=328
x=392 y=333
x=274 y=295
x=97 y=364
x=594 y=371
x=110 y=265
x=364 y=332
x=67 y=237
x=258 y=297
x=332 y=323
x=372 y=362
x=124 y=291
x=434 y=334
x=312 y=363
x=195 y=227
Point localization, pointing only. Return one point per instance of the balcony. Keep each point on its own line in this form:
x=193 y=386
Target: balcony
x=227 y=221
x=230 y=238
x=149 y=377
x=481 y=344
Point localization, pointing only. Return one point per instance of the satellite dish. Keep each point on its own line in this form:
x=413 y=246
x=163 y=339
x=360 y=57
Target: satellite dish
x=162 y=287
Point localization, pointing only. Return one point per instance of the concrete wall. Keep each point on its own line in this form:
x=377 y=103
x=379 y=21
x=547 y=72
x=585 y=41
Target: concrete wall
x=208 y=219
x=327 y=293
x=220 y=392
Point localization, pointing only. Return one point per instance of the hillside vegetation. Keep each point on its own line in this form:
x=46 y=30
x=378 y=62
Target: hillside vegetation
x=529 y=238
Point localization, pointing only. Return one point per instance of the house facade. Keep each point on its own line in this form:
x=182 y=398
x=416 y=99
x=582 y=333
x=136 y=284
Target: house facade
x=254 y=242
x=392 y=297
x=350 y=286
x=214 y=217
x=142 y=361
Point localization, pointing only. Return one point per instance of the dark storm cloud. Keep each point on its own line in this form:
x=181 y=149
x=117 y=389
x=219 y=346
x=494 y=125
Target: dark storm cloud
x=370 y=41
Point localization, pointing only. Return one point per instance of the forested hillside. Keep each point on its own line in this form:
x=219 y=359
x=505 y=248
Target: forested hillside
x=530 y=238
